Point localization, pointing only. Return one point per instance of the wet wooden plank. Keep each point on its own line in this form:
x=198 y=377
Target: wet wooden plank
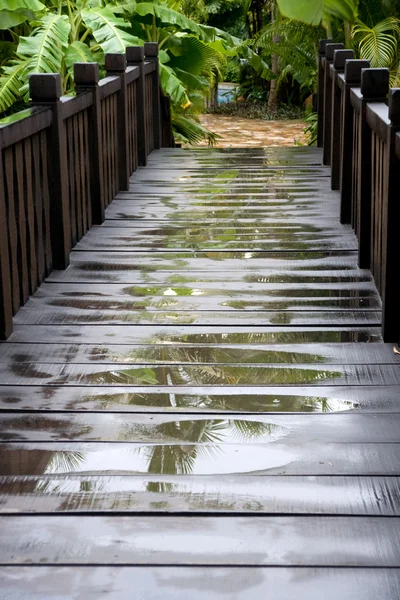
x=264 y=198
x=18 y=373
x=121 y=458
x=200 y=429
x=169 y=494
x=94 y=273
x=137 y=238
x=273 y=541
x=172 y=583
x=221 y=173
x=162 y=353
x=196 y=399
x=218 y=260
x=181 y=334
x=122 y=306
x=122 y=210
x=207 y=203
x=39 y=313
x=229 y=289
x=271 y=224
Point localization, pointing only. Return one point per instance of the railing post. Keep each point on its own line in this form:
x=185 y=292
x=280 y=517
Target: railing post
x=352 y=78
x=135 y=58
x=374 y=88
x=151 y=55
x=327 y=120
x=390 y=234
x=321 y=90
x=6 y=323
x=116 y=65
x=45 y=90
x=167 y=140
x=86 y=78
x=339 y=61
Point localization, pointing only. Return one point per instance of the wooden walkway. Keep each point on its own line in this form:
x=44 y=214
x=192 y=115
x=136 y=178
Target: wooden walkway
x=204 y=388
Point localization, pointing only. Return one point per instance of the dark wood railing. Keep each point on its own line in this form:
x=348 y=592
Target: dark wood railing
x=359 y=121
x=64 y=159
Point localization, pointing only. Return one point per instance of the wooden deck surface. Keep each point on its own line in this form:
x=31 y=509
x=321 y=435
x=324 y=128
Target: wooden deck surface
x=201 y=405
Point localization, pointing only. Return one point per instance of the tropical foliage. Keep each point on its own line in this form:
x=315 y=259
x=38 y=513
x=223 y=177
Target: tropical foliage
x=289 y=39
x=269 y=46
x=51 y=36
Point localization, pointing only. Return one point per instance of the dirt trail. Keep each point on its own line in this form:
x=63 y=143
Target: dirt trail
x=239 y=132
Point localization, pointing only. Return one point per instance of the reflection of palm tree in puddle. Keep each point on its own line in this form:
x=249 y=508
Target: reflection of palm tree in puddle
x=203 y=439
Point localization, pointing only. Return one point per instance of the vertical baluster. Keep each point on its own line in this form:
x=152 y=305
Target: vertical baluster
x=135 y=57
x=167 y=134
x=390 y=221
x=45 y=90
x=321 y=90
x=86 y=77
x=327 y=120
x=151 y=55
x=352 y=76
x=339 y=61
x=116 y=65
x=6 y=324
x=374 y=88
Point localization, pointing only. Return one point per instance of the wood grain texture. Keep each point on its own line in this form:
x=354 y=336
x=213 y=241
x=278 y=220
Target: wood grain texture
x=172 y=583
x=273 y=541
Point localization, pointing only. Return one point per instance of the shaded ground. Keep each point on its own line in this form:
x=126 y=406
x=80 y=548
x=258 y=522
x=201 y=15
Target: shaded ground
x=252 y=133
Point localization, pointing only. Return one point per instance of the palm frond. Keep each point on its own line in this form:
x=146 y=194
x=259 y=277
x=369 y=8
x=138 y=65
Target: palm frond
x=172 y=86
x=295 y=45
x=11 y=81
x=194 y=82
x=187 y=130
x=109 y=30
x=378 y=44
x=46 y=44
x=173 y=19
x=193 y=55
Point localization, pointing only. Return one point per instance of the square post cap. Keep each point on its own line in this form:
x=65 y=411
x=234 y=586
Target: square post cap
x=151 y=49
x=330 y=48
x=353 y=68
x=322 y=45
x=115 y=63
x=86 y=74
x=340 y=57
x=394 y=106
x=134 y=54
x=45 y=87
x=374 y=83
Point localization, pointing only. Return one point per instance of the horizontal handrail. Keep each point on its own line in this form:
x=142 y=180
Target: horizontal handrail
x=377 y=116
x=360 y=120
x=109 y=85
x=149 y=67
x=23 y=124
x=75 y=104
x=64 y=159
x=132 y=74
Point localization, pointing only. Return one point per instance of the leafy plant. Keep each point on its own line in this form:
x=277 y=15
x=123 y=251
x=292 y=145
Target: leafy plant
x=51 y=37
x=311 y=130
x=378 y=44
x=315 y=11
x=295 y=44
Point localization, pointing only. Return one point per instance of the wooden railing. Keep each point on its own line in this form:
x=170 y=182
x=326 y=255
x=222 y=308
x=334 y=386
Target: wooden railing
x=64 y=159
x=359 y=121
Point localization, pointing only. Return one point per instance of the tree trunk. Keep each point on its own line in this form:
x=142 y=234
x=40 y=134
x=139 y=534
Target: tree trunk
x=273 y=99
